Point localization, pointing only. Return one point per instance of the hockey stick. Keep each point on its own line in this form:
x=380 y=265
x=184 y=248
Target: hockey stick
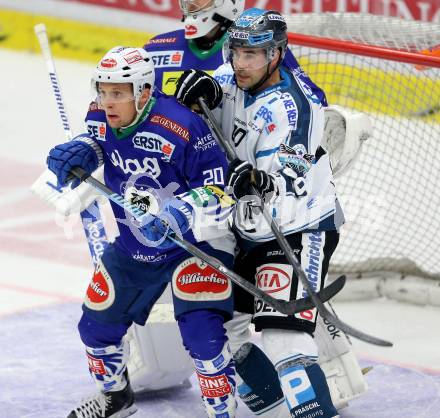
x=288 y=308
x=90 y=217
x=284 y=245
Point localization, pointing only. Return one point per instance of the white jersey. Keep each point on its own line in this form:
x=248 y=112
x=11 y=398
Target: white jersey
x=279 y=131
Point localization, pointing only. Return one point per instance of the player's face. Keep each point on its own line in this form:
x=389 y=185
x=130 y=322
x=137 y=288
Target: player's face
x=250 y=66
x=118 y=102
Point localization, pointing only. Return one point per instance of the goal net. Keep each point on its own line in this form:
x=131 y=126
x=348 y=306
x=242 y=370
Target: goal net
x=387 y=68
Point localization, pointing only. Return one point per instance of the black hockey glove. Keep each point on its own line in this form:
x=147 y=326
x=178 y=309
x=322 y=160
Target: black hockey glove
x=242 y=176
x=193 y=84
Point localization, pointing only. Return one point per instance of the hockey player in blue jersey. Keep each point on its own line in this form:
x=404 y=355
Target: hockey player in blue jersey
x=159 y=155
x=198 y=45
x=276 y=122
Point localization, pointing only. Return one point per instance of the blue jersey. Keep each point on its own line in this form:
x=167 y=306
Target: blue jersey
x=170 y=152
x=172 y=54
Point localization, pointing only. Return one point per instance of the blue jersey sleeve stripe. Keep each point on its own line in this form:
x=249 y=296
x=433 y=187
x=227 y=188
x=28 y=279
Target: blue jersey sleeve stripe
x=266 y=152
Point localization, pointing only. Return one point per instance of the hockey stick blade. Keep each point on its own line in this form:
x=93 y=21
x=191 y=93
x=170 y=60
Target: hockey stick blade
x=285 y=307
x=285 y=246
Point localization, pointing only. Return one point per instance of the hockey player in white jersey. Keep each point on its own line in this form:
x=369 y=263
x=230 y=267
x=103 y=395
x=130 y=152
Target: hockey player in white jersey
x=146 y=372
x=276 y=124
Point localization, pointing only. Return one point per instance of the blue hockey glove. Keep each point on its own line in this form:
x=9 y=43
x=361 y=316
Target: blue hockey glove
x=242 y=176
x=193 y=84
x=80 y=152
x=175 y=218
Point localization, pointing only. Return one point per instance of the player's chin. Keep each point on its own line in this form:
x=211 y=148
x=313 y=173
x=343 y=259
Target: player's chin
x=243 y=82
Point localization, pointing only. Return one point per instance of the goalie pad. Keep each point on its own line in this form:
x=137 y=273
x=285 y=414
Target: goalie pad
x=338 y=361
x=158 y=359
x=65 y=200
x=150 y=369
x=344 y=133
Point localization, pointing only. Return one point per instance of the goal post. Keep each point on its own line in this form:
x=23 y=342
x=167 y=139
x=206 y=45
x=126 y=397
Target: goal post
x=388 y=68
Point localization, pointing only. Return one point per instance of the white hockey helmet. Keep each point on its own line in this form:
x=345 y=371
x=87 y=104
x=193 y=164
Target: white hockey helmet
x=201 y=16
x=126 y=65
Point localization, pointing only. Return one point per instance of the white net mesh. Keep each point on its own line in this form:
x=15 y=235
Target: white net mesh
x=391 y=195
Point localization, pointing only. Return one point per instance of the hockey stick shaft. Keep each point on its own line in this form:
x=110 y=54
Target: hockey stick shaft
x=286 y=307
x=285 y=246
x=43 y=40
x=90 y=217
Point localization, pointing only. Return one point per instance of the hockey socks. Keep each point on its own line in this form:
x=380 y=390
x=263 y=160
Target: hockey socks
x=260 y=389
x=205 y=339
x=107 y=366
x=217 y=384
x=306 y=391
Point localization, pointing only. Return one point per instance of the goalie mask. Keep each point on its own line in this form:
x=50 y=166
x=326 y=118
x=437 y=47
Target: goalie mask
x=125 y=65
x=262 y=30
x=201 y=16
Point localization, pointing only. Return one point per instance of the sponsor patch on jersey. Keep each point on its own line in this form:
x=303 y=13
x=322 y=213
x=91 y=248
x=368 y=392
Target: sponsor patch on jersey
x=97 y=129
x=291 y=109
x=264 y=113
x=159 y=41
x=171 y=126
x=100 y=294
x=312 y=257
x=214 y=386
x=152 y=142
x=162 y=59
x=196 y=281
x=227 y=79
x=148 y=166
x=170 y=79
x=255 y=127
x=275 y=279
x=299 y=390
x=148 y=258
x=204 y=143
x=270 y=128
x=96 y=365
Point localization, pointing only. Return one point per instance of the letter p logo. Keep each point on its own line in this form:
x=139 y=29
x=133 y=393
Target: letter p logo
x=296 y=386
